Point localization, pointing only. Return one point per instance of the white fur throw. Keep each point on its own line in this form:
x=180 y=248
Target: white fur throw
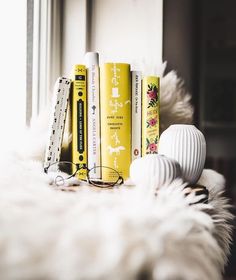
x=116 y=234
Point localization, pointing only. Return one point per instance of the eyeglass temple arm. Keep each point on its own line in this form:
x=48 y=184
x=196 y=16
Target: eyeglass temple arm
x=45 y=169
x=121 y=179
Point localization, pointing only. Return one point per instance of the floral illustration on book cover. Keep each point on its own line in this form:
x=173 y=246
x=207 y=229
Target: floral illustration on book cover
x=152 y=124
x=152 y=95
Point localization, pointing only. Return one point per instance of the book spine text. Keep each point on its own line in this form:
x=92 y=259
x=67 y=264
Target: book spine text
x=92 y=64
x=79 y=120
x=136 y=114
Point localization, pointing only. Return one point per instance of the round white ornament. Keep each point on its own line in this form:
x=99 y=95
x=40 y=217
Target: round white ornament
x=154 y=170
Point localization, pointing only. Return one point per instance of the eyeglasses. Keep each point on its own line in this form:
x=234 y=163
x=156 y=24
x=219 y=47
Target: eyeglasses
x=98 y=176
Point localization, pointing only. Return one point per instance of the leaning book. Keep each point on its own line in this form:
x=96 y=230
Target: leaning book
x=57 y=120
x=79 y=119
x=115 y=118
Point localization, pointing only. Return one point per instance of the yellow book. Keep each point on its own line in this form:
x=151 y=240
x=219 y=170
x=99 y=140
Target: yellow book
x=150 y=114
x=79 y=119
x=115 y=100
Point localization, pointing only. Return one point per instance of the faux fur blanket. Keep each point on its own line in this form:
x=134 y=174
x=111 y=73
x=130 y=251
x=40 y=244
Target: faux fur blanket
x=124 y=233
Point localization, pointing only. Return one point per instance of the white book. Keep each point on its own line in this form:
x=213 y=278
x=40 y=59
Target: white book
x=93 y=95
x=57 y=120
x=136 y=114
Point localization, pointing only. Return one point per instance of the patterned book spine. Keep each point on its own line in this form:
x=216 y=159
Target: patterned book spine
x=57 y=120
x=92 y=64
x=79 y=120
x=150 y=114
x=115 y=118
x=136 y=114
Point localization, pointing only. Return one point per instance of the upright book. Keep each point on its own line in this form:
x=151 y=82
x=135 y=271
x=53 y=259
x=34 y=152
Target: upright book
x=150 y=114
x=115 y=118
x=79 y=119
x=136 y=114
x=92 y=65
x=57 y=120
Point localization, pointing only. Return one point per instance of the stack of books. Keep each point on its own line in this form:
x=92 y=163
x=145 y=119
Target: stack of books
x=115 y=116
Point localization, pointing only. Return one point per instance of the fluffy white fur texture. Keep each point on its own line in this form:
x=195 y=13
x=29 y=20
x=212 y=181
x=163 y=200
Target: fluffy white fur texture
x=175 y=101
x=125 y=233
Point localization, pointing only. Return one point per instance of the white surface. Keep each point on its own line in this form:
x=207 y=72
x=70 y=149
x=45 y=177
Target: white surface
x=117 y=234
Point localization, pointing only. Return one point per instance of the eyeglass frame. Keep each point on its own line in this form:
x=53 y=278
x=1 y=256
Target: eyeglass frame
x=88 y=179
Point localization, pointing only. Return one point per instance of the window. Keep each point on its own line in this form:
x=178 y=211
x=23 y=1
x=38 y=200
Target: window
x=12 y=66
x=30 y=52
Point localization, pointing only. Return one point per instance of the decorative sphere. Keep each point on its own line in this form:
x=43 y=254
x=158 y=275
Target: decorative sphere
x=154 y=171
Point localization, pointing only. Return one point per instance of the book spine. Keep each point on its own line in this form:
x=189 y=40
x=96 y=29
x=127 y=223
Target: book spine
x=92 y=64
x=150 y=114
x=115 y=118
x=57 y=120
x=79 y=120
x=136 y=114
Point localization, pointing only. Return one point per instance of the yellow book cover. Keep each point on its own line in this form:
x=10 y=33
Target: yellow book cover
x=115 y=103
x=150 y=114
x=79 y=119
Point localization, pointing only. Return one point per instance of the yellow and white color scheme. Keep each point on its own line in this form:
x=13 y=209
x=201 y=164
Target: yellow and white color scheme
x=92 y=65
x=136 y=113
x=115 y=96
x=79 y=119
x=150 y=114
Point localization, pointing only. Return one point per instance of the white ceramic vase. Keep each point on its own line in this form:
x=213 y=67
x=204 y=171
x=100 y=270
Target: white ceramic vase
x=186 y=144
x=153 y=171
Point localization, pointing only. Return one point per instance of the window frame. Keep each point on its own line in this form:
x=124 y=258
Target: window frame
x=43 y=53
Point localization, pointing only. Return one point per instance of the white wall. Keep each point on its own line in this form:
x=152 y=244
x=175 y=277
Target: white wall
x=73 y=34
x=128 y=30
x=120 y=30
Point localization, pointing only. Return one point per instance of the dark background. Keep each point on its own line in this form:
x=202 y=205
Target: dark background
x=199 y=42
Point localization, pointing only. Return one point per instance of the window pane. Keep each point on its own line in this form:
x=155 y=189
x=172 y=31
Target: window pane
x=12 y=67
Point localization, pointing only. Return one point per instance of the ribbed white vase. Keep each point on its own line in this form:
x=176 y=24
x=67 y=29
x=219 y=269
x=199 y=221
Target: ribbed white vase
x=186 y=144
x=153 y=171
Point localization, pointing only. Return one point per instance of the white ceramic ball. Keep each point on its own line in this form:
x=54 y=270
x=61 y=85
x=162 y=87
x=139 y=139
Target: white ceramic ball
x=187 y=145
x=154 y=170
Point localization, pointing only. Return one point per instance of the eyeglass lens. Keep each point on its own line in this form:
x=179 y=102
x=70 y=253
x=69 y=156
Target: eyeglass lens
x=103 y=176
